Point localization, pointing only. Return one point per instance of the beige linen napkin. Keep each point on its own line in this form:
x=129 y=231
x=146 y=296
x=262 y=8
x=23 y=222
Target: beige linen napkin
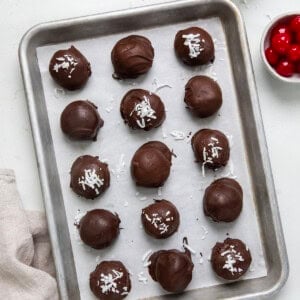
x=26 y=265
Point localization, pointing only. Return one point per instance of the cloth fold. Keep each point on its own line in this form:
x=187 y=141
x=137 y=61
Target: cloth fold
x=26 y=265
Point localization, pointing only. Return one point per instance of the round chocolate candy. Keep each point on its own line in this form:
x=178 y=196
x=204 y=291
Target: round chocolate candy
x=203 y=96
x=69 y=68
x=230 y=259
x=151 y=164
x=172 y=269
x=211 y=148
x=110 y=281
x=194 y=46
x=132 y=56
x=160 y=219
x=99 y=228
x=142 y=109
x=223 y=200
x=89 y=176
x=80 y=120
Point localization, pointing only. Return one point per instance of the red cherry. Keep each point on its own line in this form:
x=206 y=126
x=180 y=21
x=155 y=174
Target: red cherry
x=285 y=68
x=295 y=24
x=271 y=56
x=297 y=37
x=280 y=28
x=294 y=53
x=297 y=69
x=280 y=42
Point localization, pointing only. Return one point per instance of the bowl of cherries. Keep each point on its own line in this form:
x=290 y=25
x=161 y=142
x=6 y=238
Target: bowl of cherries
x=280 y=47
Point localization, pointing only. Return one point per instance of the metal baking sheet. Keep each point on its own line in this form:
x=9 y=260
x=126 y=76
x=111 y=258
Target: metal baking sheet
x=46 y=103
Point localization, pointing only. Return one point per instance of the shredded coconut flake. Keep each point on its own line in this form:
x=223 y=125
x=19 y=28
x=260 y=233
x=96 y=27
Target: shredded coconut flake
x=186 y=246
x=108 y=282
x=78 y=217
x=178 y=135
x=147 y=254
x=193 y=42
x=209 y=153
x=142 y=278
x=65 y=62
x=205 y=232
x=91 y=179
x=120 y=167
x=144 y=111
x=159 y=191
x=232 y=257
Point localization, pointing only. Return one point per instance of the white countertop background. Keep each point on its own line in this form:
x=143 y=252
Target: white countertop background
x=280 y=105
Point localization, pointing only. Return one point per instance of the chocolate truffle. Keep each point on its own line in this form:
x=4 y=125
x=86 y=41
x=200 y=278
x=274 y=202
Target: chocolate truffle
x=110 y=281
x=194 y=46
x=223 y=200
x=211 y=148
x=132 y=56
x=151 y=164
x=230 y=259
x=99 y=228
x=80 y=120
x=203 y=96
x=172 y=269
x=89 y=176
x=160 y=219
x=142 y=109
x=69 y=68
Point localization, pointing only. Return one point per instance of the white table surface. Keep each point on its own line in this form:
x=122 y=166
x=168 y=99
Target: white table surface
x=280 y=105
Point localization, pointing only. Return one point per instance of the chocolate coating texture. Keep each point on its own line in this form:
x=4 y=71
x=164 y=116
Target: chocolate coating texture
x=230 y=259
x=80 y=120
x=141 y=109
x=194 y=46
x=160 y=219
x=69 y=68
x=211 y=148
x=89 y=176
x=99 y=228
x=110 y=281
x=151 y=164
x=172 y=269
x=203 y=96
x=132 y=56
x=223 y=200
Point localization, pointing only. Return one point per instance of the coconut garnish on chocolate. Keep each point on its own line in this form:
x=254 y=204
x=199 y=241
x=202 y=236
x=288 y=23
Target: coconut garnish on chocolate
x=142 y=109
x=230 y=259
x=160 y=219
x=211 y=149
x=194 y=46
x=69 y=68
x=110 y=281
x=89 y=176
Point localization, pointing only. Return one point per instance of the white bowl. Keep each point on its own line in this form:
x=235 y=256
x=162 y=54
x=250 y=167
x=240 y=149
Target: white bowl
x=265 y=43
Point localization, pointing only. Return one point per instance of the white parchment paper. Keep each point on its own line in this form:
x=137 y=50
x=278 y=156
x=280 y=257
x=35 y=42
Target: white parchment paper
x=117 y=143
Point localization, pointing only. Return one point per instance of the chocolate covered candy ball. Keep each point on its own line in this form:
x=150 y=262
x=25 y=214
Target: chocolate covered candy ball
x=172 y=269
x=80 y=120
x=160 y=219
x=194 y=46
x=211 y=148
x=151 y=164
x=89 y=176
x=110 y=281
x=230 y=259
x=69 y=68
x=142 y=109
x=203 y=96
x=99 y=228
x=132 y=56
x=223 y=200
